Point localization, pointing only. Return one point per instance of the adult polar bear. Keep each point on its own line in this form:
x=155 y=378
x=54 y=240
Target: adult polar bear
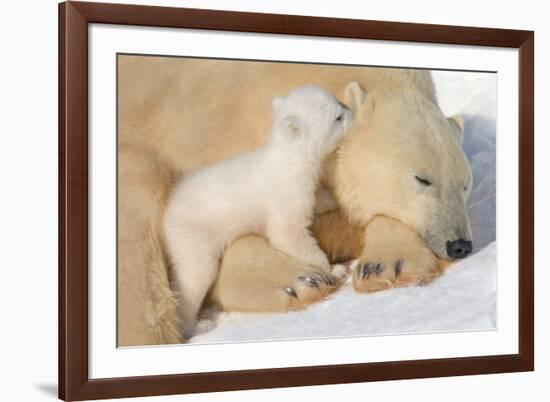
x=400 y=178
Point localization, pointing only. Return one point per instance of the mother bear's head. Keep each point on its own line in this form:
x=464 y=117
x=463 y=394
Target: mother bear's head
x=404 y=159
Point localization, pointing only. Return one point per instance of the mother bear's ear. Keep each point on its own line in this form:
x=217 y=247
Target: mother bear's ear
x=359 y=101
x=354 y=95
x=457 y=121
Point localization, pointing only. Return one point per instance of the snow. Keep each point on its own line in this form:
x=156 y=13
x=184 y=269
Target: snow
x=463 y=299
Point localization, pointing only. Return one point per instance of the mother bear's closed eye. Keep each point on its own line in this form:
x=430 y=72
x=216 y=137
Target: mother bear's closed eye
x=423 y=180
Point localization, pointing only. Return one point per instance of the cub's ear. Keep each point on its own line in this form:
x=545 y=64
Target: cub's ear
x=291 y=126
x=457 y=121
x=277 y=102
x=354 y=95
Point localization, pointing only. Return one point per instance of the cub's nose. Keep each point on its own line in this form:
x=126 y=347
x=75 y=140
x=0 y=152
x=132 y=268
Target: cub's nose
x=459 y=248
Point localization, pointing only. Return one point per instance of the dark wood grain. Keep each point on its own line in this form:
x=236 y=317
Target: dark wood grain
x=526 y=264
x=299 y=376
x=73 y=202
x=74 y=382
x=298 y=25
x=61 y=246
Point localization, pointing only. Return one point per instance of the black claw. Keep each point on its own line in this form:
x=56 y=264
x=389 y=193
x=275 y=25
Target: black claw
x=323 y=278
x=379 y=268
x=398 y=267
x=326 y=279
x=291 y=292
x=317 y=278
x=367 y=270
x=309 y=281
x=372 y=268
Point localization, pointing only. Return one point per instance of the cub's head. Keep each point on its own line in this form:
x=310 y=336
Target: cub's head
x=311 y=117
x=402 y=158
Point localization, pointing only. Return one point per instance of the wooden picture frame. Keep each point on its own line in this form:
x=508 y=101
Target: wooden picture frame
x=74 y=381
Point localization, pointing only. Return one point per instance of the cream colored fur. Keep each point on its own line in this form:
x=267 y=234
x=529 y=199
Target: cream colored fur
x=269 y=191
x=426 y=145
x=188 y=113
x=146 y=305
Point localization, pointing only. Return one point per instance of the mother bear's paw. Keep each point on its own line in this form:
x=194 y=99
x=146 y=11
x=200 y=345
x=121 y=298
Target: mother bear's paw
x=371 y=275
x=394 y=255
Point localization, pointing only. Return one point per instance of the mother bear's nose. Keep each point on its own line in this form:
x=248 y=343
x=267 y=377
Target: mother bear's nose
x=459 y=248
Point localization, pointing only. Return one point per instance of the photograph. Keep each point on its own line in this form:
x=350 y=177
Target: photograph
x=277 y=200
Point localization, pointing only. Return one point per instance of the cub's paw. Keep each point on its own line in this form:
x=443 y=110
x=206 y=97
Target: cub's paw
x=309 y=288
x=379 y=273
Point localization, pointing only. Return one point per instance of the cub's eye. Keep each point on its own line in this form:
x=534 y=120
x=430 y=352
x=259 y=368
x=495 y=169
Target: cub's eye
x=340 y=117
x=423 y=181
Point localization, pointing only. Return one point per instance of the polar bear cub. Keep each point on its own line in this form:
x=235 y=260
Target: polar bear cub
x=269 y=191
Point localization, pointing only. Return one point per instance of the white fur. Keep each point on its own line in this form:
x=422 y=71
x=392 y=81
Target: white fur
x=269 y=191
